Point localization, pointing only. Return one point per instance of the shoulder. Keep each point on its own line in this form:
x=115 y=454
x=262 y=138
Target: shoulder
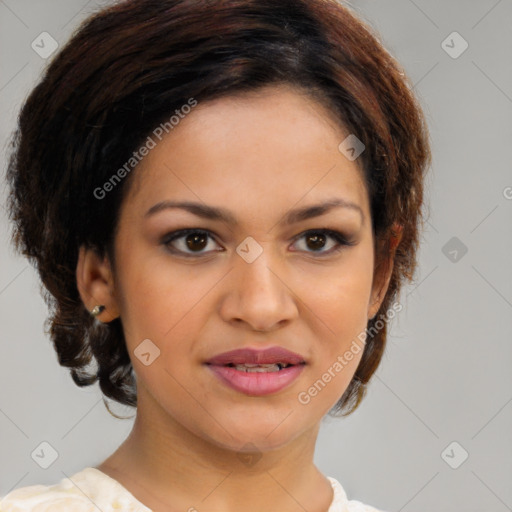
x=340 y=501
x=89 y=490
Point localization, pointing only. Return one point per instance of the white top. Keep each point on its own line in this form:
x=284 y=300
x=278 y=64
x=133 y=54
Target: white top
x=91 y=490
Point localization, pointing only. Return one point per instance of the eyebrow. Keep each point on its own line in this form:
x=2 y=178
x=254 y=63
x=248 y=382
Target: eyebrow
x=224 y=215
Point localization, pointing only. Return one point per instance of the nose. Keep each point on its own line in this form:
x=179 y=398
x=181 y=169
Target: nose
x=258 y=294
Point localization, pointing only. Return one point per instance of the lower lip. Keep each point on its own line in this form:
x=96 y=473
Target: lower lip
x=257 y=383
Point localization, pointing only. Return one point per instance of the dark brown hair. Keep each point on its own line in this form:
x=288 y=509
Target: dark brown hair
x=128 y=68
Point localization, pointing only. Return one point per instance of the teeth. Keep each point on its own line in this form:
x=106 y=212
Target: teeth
x=261 y=368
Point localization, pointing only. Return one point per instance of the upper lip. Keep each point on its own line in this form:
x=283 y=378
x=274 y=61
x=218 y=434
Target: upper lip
x=270 y=355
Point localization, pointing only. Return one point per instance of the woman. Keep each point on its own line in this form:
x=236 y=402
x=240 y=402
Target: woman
x=223 y=200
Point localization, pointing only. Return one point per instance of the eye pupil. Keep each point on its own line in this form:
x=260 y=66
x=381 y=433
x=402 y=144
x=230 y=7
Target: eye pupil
x=194 y=238
x=318 y=241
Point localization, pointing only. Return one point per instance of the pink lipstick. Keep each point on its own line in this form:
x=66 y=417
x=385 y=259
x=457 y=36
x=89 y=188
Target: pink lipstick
x=257 y=372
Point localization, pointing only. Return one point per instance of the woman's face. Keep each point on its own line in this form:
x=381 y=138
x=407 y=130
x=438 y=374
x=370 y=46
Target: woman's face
x=267 y=276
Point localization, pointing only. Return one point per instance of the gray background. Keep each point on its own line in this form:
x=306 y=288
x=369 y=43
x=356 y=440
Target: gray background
x=446 y=375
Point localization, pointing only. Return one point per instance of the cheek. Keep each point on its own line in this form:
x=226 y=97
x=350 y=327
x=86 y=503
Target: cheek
x=166 y=306
x=340 y=297
x=155 y=295
x=339 y=302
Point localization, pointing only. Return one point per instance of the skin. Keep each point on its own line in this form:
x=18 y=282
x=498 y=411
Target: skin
x=259 y=156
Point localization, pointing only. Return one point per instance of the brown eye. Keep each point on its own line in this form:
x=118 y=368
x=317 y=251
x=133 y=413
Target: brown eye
x=196 y=241
x=189 y=242
x=193 y=242
x=317 y=240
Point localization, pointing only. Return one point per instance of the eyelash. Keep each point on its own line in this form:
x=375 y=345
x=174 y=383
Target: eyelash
x=336 y=235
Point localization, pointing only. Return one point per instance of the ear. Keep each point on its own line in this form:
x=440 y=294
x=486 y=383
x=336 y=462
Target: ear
x=382 y=274
x=95 y=282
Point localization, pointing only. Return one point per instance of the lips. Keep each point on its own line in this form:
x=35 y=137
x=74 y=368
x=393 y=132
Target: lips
x=273 y=355
x=257 y=372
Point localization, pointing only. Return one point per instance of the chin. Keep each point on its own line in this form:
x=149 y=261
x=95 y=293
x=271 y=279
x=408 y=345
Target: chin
x=256 y=435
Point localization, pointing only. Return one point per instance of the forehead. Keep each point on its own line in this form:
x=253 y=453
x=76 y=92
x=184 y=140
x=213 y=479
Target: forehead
x=276 y=142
